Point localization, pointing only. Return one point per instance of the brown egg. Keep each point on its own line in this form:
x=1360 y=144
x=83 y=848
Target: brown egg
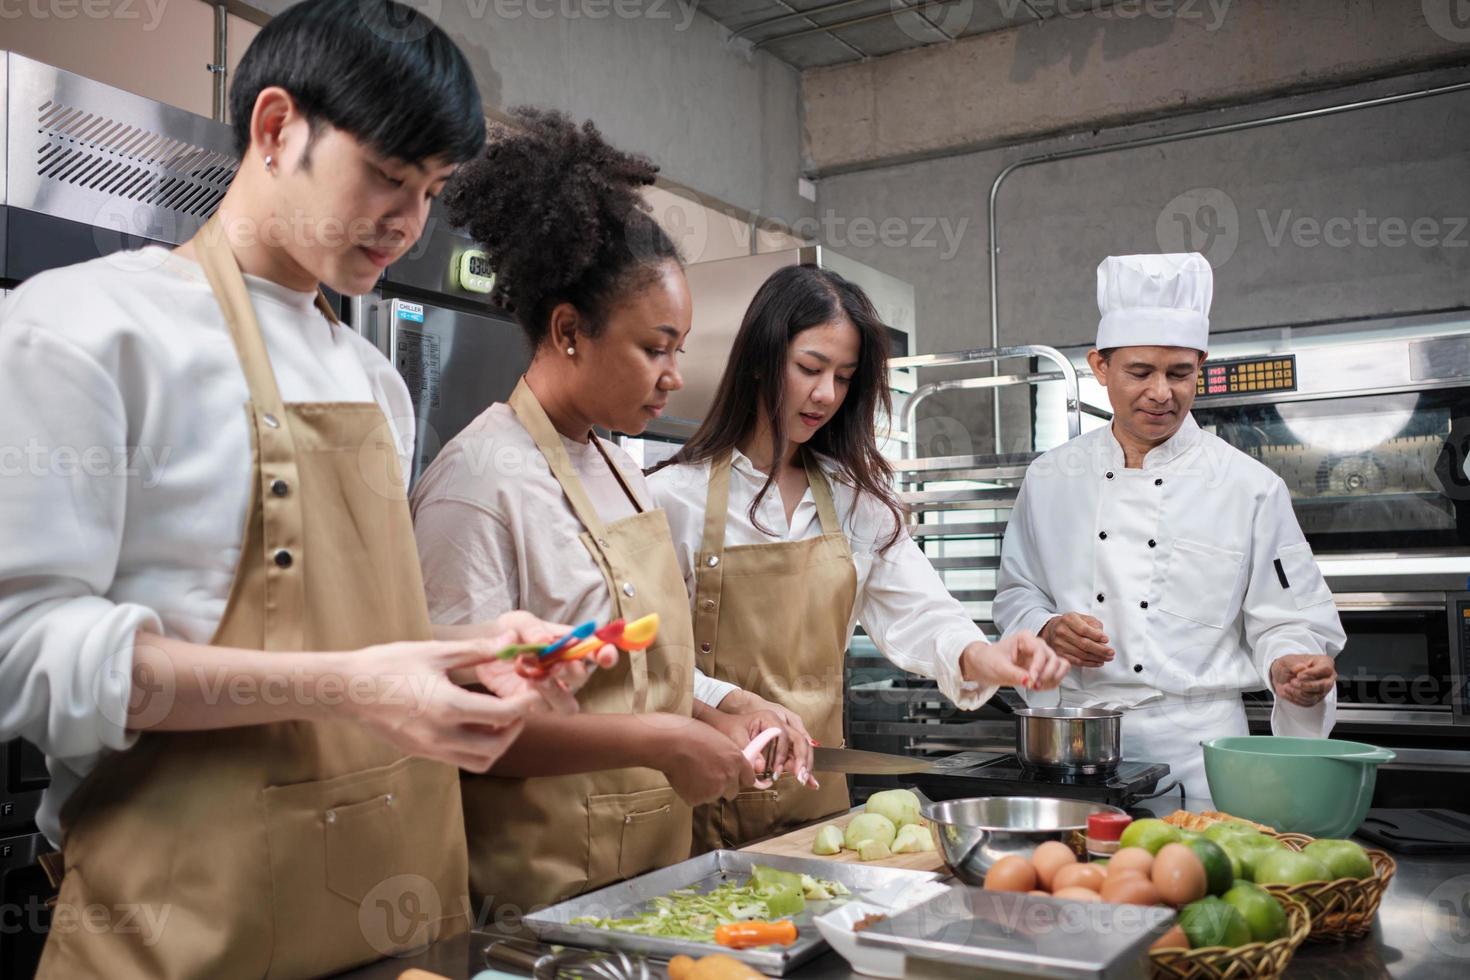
x=1077 y=894
x=1129 y=888
x=1012 y=873
x=1131 y=859
x=1178 y=875
x=1173 y=939
x=1088 y=876
x=1049 y=858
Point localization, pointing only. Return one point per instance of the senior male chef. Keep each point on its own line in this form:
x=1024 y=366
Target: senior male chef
x=1164 y=564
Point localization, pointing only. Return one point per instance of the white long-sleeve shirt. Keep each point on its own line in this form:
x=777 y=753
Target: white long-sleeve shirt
x=125 y=472
x=1195 y=564
x=496 y=533
x=901 y=601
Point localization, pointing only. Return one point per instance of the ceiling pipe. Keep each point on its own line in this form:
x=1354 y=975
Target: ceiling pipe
x=1134 y=144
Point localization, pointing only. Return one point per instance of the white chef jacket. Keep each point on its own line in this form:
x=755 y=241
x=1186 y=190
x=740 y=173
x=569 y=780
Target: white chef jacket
x=901 y=600
x=1194 y=564
x=125 y=468
x=495 y=532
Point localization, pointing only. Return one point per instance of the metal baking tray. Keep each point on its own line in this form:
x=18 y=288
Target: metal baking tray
x=870 y=883
x=966 y=930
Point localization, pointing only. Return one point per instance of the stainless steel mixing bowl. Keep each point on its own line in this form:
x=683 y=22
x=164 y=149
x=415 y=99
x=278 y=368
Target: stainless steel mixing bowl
x=973 y=834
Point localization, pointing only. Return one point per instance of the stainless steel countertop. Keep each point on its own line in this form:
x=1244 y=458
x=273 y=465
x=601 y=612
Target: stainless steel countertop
x=1422 y=933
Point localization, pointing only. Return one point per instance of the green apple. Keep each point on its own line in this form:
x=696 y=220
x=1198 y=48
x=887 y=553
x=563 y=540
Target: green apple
x=869 y=826
x=1263 y=914
x=1342 y=857
x=899 y=805
x=1149 y=834
x=1289 y=868
x=1218 y=832
x=829 y=840
x=913 y=838
x=1247 y=849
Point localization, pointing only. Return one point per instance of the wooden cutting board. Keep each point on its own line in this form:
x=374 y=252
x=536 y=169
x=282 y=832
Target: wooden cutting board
x=798 y=843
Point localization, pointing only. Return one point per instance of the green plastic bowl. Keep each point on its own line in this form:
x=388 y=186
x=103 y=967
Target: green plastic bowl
x=1316 y=786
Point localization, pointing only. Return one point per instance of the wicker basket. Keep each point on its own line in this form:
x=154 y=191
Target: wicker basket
x=1254 y=961
x=1341 y=909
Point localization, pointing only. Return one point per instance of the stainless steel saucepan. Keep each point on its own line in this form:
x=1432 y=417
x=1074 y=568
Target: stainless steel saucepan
x=1069 y=741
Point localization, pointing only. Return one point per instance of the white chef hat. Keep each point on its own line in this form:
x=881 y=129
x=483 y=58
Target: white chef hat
x=1154 y=301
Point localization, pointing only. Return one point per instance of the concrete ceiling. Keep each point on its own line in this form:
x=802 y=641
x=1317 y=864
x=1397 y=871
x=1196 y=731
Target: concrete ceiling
x=819 y=33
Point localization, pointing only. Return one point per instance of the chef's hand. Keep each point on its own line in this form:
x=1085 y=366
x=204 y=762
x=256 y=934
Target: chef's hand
x=1303 y=679
x=406 y=694
x=1079 y=639
x=702 y=763
x=742 y=716
x=1020 y=660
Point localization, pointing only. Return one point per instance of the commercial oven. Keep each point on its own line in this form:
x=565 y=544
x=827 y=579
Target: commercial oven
x=1368 y=424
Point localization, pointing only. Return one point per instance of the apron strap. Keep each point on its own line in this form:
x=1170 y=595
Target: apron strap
x=285 y=583
x=716 y=506
x=821 y=494
x=528 y=409
x=717 y=502
x=618 y=474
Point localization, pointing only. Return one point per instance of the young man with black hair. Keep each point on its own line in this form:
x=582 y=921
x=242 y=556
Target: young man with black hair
x=253 y=734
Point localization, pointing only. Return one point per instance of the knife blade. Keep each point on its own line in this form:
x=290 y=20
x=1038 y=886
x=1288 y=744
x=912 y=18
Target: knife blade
x=857 y=761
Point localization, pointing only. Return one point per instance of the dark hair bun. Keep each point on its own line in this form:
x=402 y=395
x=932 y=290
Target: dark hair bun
x=558 y=211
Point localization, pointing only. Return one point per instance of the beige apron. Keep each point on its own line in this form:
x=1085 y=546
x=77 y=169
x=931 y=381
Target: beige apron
x=537 y=841
x=282 y=850
x=773 y=619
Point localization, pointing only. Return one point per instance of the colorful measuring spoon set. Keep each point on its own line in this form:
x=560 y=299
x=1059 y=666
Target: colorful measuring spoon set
x=535 y=660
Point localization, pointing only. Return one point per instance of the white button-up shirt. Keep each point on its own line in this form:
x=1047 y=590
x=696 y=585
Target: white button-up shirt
x=901 y=601
x=1195 y=564
x=125 y=474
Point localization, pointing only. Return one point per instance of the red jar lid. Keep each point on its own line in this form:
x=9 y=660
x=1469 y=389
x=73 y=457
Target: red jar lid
x=1107 y=826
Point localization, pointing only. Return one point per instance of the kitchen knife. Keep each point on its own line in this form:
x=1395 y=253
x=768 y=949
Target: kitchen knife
x=869 y=763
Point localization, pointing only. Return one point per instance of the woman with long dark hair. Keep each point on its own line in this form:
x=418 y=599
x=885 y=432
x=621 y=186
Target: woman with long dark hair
x=788 y=533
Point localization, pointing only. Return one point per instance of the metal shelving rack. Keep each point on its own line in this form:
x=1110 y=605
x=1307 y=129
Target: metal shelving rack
x=959 y=506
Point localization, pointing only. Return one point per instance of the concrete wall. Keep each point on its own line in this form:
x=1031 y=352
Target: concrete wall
x=1354 y=215
x=1135 y=59
x=655 y=76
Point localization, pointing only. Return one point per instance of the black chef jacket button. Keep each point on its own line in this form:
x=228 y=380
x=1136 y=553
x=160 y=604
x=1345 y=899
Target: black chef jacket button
x=1158 y=483
x=280 y=488
x=1109 y=474
x=1102 y=535
x=1138 y=668
x=1099 y=597
x=1152 y=543
x=1143 y=604
x=283 y=558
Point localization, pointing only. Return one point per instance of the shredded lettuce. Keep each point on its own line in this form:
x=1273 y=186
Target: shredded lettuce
x=687 y=913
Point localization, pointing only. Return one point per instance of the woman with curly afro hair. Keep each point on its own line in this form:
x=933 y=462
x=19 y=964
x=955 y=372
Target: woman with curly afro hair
x=528 y=508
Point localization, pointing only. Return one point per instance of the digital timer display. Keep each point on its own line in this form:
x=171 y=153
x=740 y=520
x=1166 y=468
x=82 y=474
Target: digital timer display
x=473 y=273
x=1247 y=376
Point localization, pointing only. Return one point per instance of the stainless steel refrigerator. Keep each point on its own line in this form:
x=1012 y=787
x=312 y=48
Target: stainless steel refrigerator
x=457 y=353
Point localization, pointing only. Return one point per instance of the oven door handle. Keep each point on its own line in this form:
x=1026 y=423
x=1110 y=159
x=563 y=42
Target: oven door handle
x=1381 y=607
